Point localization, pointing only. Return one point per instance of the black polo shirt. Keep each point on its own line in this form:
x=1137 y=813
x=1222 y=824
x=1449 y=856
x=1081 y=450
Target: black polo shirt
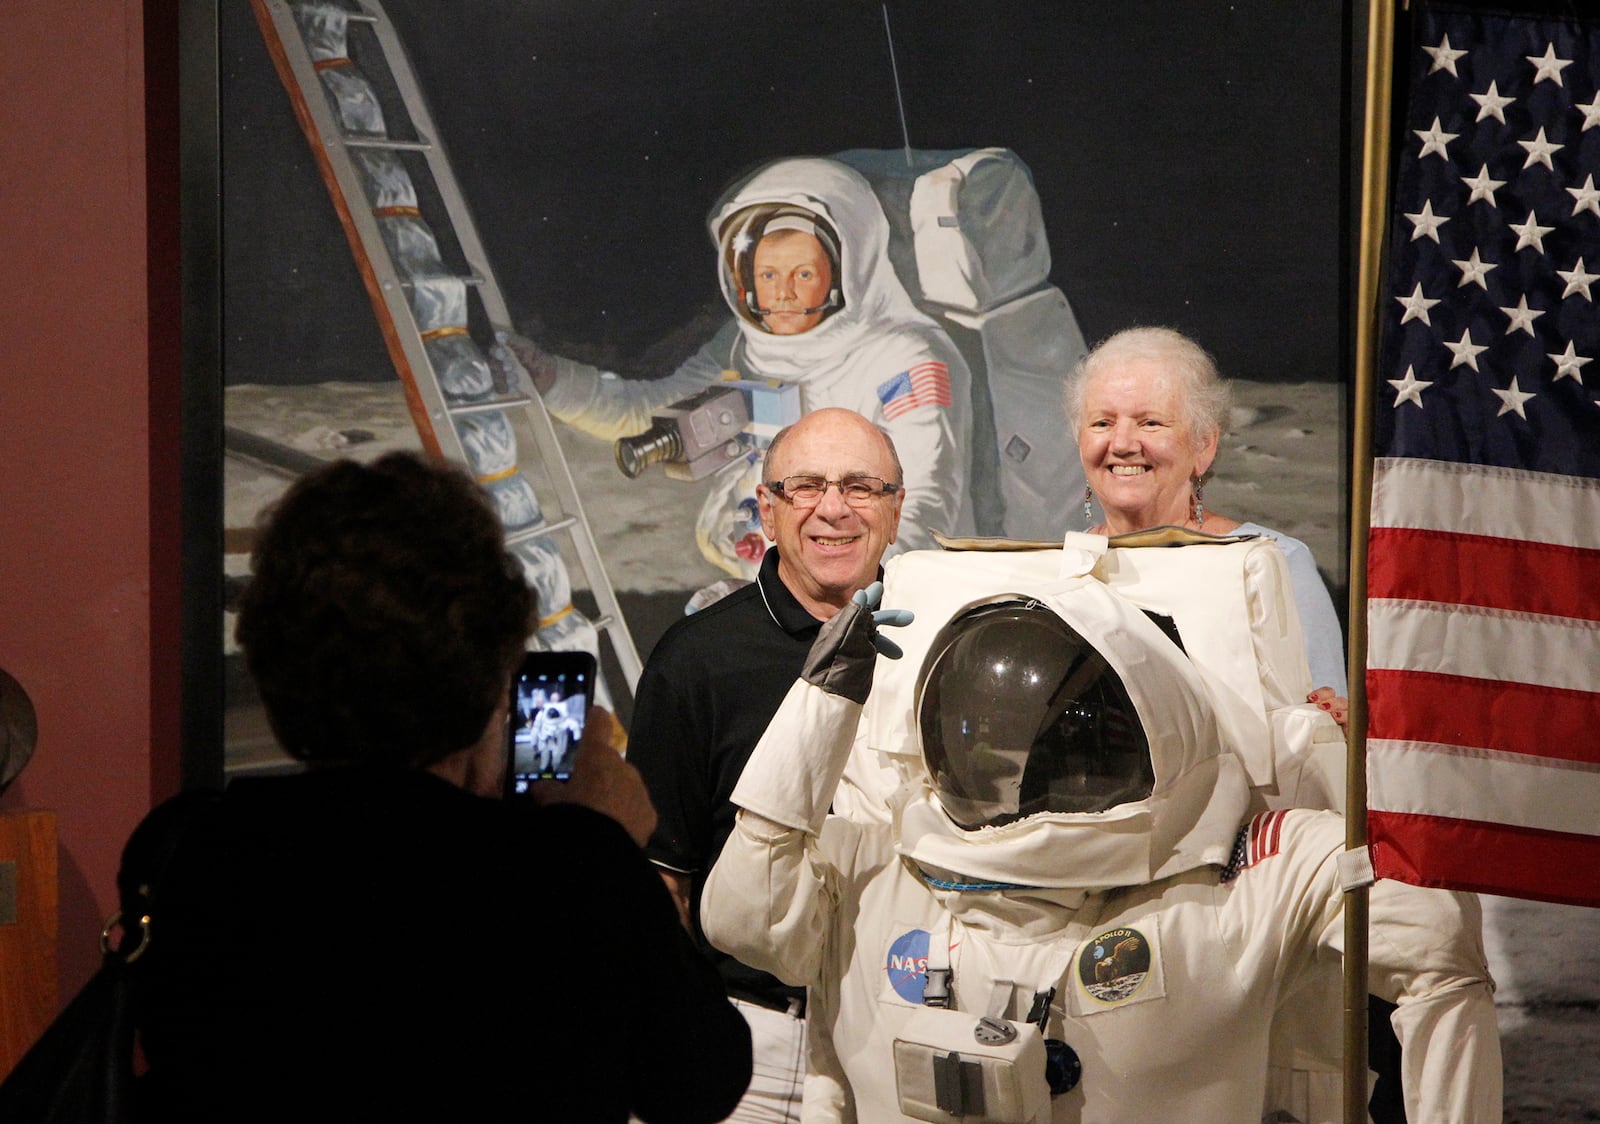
x=705 y=697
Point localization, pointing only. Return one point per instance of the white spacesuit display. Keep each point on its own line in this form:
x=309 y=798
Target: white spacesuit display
x=872 y=352
x=1078 y=870
x=1230 y=600
x=554 y=730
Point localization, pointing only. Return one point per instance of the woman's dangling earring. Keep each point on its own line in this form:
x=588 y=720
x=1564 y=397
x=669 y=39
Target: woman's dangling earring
x=1199 y=503
x=1088 y=511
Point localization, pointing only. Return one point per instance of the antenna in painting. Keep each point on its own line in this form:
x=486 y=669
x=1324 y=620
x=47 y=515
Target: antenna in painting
x=895 y=70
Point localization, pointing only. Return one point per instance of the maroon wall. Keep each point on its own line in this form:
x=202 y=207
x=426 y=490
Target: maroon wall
x=77 y=474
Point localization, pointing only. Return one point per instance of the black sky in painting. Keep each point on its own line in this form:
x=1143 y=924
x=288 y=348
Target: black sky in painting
x=1186 y=153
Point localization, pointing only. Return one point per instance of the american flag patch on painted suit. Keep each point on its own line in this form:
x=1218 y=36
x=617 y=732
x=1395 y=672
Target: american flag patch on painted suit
x=926 y=384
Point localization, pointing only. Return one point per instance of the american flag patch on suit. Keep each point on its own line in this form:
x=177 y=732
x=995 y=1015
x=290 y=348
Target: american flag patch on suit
x=926 y=384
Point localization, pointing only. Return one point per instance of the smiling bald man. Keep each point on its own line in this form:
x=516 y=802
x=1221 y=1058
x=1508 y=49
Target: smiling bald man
x=830 y=501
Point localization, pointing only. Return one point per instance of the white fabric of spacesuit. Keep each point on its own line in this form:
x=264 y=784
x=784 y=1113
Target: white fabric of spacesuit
x=853 y=911
x=850 y=359
x=1231 y=600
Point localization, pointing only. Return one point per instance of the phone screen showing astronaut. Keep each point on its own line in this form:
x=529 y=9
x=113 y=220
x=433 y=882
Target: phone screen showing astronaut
x=549 y=700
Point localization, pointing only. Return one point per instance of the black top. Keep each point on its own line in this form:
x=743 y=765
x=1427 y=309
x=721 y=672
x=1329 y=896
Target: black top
x=710 y=687
x=376 y=944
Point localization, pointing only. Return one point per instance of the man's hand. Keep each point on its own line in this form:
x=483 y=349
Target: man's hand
x=518 y=355
x=842 y=656
x=603 y=781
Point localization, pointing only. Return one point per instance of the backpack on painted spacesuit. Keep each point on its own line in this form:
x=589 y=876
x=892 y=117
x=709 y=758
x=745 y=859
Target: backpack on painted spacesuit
x=967 y=239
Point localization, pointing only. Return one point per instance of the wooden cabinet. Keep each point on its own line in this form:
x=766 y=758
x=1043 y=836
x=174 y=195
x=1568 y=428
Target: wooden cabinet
x=28 y=918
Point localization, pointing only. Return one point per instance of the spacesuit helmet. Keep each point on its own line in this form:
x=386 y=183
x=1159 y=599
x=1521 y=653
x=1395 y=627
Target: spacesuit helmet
x=742 y=233
x=1019 y=714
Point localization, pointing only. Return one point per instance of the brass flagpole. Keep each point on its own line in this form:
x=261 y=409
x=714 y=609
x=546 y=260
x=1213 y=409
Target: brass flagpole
x=1374 y=222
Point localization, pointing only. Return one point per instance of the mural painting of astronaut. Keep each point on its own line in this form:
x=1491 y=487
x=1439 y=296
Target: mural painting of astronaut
x=804 y=268
x=601 y=253
x=814 y=272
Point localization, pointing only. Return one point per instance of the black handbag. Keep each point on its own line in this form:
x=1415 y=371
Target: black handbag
x=81 y=1070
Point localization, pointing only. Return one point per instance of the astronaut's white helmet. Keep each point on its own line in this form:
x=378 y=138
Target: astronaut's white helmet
x=1017 y=714
x=743 y=231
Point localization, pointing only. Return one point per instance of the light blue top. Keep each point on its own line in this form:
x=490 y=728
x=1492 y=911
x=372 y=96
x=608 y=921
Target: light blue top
x=1319 y=622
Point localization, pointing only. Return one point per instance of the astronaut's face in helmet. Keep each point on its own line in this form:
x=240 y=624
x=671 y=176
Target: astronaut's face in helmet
x=1019 y=714
x=792 y=280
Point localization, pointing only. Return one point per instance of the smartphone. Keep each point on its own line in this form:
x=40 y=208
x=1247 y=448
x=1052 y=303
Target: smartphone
x=549 y=701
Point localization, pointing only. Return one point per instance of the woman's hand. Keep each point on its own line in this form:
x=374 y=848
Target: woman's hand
x=1336 y=705
x=602 y=780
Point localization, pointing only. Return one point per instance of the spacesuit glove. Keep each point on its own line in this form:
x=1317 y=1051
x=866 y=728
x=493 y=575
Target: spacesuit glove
x=842 y=656
x=517 y=355
x=794 y=770
x=892 y=618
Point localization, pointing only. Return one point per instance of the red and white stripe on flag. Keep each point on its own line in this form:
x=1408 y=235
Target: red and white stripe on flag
x=1483 y=680
x=1483 y=593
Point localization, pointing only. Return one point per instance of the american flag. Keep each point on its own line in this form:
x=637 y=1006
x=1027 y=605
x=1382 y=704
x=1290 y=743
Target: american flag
x=926 y=384
x=1483 y=590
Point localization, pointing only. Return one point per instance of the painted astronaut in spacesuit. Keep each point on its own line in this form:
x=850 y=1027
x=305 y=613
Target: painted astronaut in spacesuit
x=1072 y=918
x=804 y=267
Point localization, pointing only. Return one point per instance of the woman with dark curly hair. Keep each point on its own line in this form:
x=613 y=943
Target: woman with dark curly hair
x=384 y=616
x=378 y=937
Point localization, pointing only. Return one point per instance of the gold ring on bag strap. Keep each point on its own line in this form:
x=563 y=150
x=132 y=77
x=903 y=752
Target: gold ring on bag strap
x=144 y=936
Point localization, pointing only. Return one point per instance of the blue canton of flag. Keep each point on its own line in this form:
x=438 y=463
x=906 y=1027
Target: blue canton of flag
x=1495 y=250
x=1483 y=588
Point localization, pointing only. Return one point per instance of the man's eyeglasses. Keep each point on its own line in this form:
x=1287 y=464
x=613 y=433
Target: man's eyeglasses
x=807 y=491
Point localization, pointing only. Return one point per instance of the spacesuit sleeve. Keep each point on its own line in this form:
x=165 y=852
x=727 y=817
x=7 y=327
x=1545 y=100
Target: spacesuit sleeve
x=1425 y=954
x=1318 y=621
x=608 y=406
x=1425 y=950
x=1308 y=748
x=769 y=901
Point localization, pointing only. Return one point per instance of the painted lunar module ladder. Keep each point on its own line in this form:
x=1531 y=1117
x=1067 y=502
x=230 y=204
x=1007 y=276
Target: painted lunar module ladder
x=436 y=331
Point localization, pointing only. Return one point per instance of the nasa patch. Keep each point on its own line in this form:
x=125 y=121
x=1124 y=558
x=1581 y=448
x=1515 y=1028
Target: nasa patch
x=906 y=965
x=1116 y=967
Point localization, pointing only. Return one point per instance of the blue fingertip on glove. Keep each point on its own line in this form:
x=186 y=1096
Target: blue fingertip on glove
x=896 y=618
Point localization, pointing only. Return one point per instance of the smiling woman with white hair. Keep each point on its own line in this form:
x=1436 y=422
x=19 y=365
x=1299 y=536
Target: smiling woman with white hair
x=1148 y=408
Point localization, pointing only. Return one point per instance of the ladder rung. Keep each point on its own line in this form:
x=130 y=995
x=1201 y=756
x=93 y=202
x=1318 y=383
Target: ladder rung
x=388 y=143
x=602 y=623
x=505 y=402
x=540 y=531
x=469 y=279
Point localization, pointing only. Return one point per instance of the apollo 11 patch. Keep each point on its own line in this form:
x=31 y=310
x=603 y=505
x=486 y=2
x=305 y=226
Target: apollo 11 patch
x=1117 y=967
